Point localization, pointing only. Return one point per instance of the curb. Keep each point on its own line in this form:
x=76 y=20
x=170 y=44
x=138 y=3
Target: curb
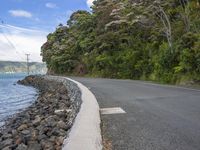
x=85 y=133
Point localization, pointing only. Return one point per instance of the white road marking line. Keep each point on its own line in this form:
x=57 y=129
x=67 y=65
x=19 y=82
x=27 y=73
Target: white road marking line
x=113 y=110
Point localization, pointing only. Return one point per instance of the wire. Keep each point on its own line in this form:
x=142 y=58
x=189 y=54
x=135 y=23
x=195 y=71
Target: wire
x=10 y=43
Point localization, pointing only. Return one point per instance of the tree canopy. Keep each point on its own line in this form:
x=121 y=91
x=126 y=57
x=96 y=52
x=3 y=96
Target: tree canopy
x=149 y=40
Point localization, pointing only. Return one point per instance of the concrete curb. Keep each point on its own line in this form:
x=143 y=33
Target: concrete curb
x=85 y=133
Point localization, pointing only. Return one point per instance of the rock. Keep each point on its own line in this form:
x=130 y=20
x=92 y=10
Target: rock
x=41 y=137
x=34 y=135
x=59 y=140
x=61 y=125
x=52 y=139
x=56 y=131
x=58 y=147
x=6 y=136
x=26 y=138
x=62 y=132
x=18 y=141
x=22 y=127
x=50 y=121
x=14 y=132
x=34 y=146
x=62 y=105
x=60 y=112
x=49 y=133
x=14 y=146
x=21 y=147
x=25 y=132
x=37 y=120
x=62 y=90
x=6 y=148
x=40 y=128
x=46 y=129
x=7 y=142
x=47 y=145
x=64 y=97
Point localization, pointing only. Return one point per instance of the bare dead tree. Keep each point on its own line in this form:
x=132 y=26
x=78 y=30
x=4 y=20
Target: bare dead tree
x=198 y=2
x=159 y=11
x=185 y=15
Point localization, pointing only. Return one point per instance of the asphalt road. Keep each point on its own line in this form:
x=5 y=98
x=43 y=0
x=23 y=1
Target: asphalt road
x=158 y=117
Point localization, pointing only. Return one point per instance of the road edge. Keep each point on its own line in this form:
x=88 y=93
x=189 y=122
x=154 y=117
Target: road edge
x=85 y=133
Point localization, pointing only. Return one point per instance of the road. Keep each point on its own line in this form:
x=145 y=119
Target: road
x=158 y=117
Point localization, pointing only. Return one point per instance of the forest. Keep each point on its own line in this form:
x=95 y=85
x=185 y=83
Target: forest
x=157 y=40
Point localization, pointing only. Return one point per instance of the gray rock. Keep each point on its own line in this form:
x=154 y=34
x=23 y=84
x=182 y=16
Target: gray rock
x=59 y=140
x=40 y=128
x=47 y=145
x=6 y=148
x=25 y=132
x=52 y=139
x=37 y=120
x=64 y=97
x=7 y=142
x=22 y=127
x=14 y=132
x=62 y=125
x=41 y=137
x=34 y=134
x=56 y=131
x=21 y=147
x=6 y=136
x=18 y=140
x=34 y=146
x=50 y=121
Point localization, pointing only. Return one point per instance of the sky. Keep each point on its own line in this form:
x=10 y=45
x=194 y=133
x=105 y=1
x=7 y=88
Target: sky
x=24 y=25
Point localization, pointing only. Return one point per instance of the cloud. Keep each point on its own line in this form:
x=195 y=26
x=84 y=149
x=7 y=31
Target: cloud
x=51 y=5
x=16 y=41
x=20 y=13
x=90 y=3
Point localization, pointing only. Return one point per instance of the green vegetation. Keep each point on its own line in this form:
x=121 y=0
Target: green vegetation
x=19 y=67
x=149 y=40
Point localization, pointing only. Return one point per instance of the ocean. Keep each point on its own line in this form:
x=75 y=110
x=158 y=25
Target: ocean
x=13 y=97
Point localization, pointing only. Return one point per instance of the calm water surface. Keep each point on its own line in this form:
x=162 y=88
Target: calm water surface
x=13 y=97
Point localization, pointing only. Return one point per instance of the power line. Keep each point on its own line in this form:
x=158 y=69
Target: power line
x=9 y=42
x=12 y=45
x=9 y=33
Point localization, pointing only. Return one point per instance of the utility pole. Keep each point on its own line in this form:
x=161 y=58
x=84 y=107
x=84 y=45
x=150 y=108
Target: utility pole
x=27 y=63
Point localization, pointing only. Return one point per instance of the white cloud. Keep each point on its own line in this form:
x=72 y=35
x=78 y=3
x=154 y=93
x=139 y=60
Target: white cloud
x=51 y=5
x=90 y=3
x=20 y=13
x=24 y=40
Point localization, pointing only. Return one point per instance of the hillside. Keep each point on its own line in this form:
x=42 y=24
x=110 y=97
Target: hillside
x=9 y=66
x=139 y=39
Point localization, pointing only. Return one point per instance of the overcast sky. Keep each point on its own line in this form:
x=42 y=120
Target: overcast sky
x=25 y=24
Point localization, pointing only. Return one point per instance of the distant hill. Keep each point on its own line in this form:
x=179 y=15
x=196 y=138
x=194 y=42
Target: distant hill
x=10 y=66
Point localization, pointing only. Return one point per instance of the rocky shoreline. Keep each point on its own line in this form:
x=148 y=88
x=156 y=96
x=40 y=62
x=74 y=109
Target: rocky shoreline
x=46 y=123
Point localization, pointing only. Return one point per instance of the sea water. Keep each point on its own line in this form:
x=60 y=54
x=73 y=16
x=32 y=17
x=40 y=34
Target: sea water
x=14 y=97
